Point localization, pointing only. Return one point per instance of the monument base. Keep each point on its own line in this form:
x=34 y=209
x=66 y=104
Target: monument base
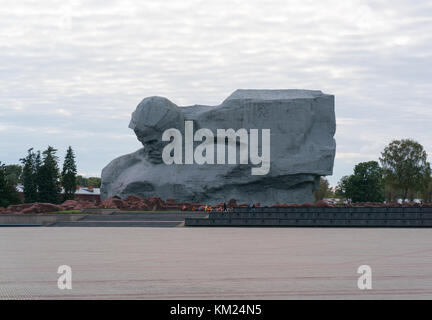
x=355 y=217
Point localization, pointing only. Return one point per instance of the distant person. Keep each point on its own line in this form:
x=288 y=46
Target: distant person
x=224 y=207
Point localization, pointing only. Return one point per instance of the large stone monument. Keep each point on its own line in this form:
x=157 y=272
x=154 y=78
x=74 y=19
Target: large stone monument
x=284 y=144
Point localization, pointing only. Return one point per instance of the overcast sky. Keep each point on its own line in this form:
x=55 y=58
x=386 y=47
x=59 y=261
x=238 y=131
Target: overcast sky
x=71 y=72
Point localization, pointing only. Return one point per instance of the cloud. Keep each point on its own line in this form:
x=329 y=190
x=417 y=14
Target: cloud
x=81 y=67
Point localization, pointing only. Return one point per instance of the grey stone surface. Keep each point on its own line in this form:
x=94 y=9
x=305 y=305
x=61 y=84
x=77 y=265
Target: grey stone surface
x=302 y=124
x=215 y=263
x=37 y=219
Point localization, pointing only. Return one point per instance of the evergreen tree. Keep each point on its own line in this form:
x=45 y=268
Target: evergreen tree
x=48 y=176
x=8 y=193
x=29 y=177
x=37 y=170
x=13 y=173
x=68 y=176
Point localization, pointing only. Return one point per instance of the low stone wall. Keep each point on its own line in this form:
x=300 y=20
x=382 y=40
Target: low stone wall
x=37 y=219
x=99 y=218
x=319 y=217
x=98 y=211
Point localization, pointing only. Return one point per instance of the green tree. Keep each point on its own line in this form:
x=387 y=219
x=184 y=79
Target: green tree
x=391 y=194
x=37 y=170
x=13 y=173
x=94 y=182
x=365 y=185
x=8 y=192
x=426 y=192
x=48 y=176
x=405 y=166
x=68 y=176
x=324 y=190
x=28 y=177
x=89 y=182
x=340 y=188
x=82 y=181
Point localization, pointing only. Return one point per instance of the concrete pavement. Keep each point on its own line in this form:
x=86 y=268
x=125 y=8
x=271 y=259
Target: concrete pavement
x=215 y=263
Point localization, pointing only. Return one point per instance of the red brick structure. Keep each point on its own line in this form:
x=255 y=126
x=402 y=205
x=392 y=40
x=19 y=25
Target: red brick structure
x=83 y=193
x=88 y=194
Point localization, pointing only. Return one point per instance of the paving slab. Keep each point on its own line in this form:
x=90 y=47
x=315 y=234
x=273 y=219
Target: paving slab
x=215 y=263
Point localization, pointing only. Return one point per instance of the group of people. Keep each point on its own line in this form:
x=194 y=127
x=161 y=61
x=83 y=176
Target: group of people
x=208 y=208
x=223 y=208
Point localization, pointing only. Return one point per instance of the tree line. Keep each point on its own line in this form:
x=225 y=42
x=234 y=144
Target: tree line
x=41 y=178
x=404 y=174
x=8 y=193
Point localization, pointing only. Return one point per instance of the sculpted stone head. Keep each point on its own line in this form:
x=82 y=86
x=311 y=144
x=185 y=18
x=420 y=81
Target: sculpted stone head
x=150 y=119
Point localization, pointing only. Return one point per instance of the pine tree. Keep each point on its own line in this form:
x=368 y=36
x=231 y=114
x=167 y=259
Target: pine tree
x=69 y=180
x=29 y=177
x=8 y=193
x=37 y=171
x=13 y=173
x=48 y=176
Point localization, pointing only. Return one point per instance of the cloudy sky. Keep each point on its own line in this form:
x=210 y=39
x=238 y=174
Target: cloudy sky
x=71 y=72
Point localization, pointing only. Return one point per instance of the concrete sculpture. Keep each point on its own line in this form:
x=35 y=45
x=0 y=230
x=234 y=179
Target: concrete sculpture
x=288 y=145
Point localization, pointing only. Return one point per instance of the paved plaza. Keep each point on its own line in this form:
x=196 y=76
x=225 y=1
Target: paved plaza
x=215 y=263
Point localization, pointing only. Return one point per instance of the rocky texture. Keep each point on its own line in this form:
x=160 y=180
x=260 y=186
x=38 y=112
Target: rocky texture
x=302 y=124
x=141 y=204
x=40 y=207
x=135 y=203
x=36 y=207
